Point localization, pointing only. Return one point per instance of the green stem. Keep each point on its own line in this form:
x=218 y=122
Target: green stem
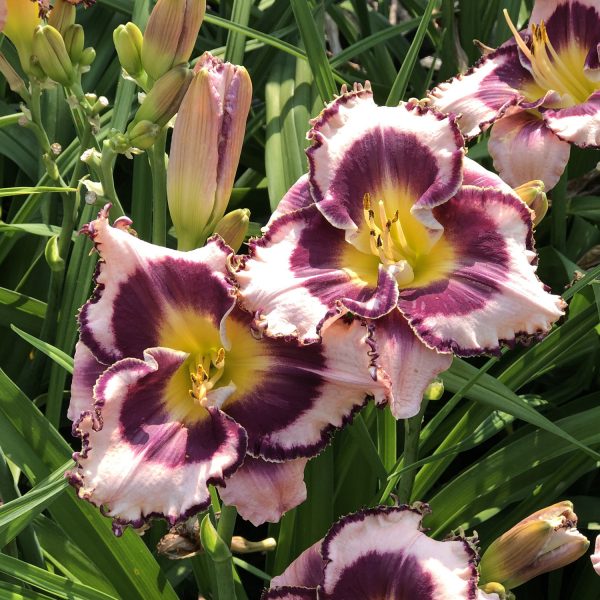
x=107 y=165
x=227 y=523
x=412 y=429
x=559 y=213
x=158 y=166
x=387 y=438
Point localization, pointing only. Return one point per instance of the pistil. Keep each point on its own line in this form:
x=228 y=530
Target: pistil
x=208 y=371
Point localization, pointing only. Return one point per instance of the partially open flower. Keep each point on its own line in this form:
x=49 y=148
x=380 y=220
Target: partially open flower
x=381 y=553
x=206 y=147
x=393 y=224
x=18 y=20
x=543 y=89
x=171 y=388
x=546 y=540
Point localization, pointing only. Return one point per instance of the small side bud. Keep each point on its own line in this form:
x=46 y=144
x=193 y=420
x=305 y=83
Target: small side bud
x=533 y=194
x=545 y=541
x=62 y=15
x=74 y=41
x=233 y=227
x=164 y=99
x=51 y=52
x=212 y=543
x=128 y=43
x=170 y=35
x=88 y=56
x=143 y=134
x=52 y=255
x=434 y=391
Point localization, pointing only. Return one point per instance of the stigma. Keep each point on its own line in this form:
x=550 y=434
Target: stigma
x=206 y=375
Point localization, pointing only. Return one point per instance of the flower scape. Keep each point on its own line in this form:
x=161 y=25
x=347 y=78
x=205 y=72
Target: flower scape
x=377 y=347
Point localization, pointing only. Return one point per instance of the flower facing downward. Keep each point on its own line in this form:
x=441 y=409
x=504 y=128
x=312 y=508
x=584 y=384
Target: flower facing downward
x=171 y=388
x=381 y=553
x=546 y=540
x=393 y=224
x=543 y=88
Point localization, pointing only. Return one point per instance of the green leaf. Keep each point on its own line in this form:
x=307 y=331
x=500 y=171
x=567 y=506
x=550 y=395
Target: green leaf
x=17 y=514
x=40 y=229
x=23 y=310
x=40 y=189
x=9 y=591
x=58 y=356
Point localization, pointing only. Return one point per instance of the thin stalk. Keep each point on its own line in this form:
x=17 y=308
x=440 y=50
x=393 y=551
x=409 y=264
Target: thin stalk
x=559 y=213
x=227 y=523
x=412 y=429
x=387 y=438
x=158 y=166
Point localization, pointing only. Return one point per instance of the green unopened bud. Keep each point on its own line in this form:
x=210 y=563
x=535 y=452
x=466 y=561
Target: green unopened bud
x=545 y=541
x=533 y=194
x=435 y=390
x=13 y=79
x=143 y=134
x=74 y=41
x=51 y=52
x=128 y=42
x=170 y=35
x=212 y=543
x=52 y=255
x=233 y=227
x=88 y=56
x=163 y=100
x=62 y=15
x=206 y=147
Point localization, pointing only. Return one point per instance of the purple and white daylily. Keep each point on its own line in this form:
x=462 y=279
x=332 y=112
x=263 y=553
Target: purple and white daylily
x=381 y=553
x=172 y=391
x=394 y=225
x=542 y=88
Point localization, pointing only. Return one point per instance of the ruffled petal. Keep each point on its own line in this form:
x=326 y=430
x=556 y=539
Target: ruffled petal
x=302 y=274
x=486 y=91
x=524 y=149
x=290 y=593
x=292 y=397
x=492 y=295
x=596 y=556
x=359 y=148
x=569 y=22
x=86 y=370
x=138 y=460
x=304 y=571
x=146 y=295
x=579 y=124
x=263 y=491
x=382 y=553
x=298 y=196
x=406 y=362
x=476 y=175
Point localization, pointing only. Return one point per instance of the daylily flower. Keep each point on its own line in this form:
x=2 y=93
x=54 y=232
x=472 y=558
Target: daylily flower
x=596 y=556
x=171 y=388
x=393 y=224
x=544 y=541
x=542 y=88
x=381 y=553
x=18 y=20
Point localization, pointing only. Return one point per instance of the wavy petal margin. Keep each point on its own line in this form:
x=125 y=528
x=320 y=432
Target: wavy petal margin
x=290 y=593
x=407 y=362
x=524 y=149
x=137 y=462
x=297 y=197
x=304 y=571
x=302 y=275
x=359 y=148
x=578 y=124
x=143 y=290
x=263 y=491
x=493 y=294
x=304 y=393
x=86 y=370
x=486 y=91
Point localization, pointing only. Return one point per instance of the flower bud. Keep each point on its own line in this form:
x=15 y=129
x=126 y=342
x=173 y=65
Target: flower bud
x=544 y=541
x=51 y=52
x=128 y=42
x=21 y=17
x=206 y=147
x=435 y=390
x=164 y=99
x=170 y=35
x=88 y=56
x=143 y=134
x=533 y=194
x=233 y=227
x=52 y=254
x=62 y=15
x=74 y=41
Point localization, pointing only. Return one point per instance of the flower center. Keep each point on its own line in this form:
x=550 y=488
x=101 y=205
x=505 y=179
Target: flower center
x=206 y=374
x=563 y=73
x=388 y=241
